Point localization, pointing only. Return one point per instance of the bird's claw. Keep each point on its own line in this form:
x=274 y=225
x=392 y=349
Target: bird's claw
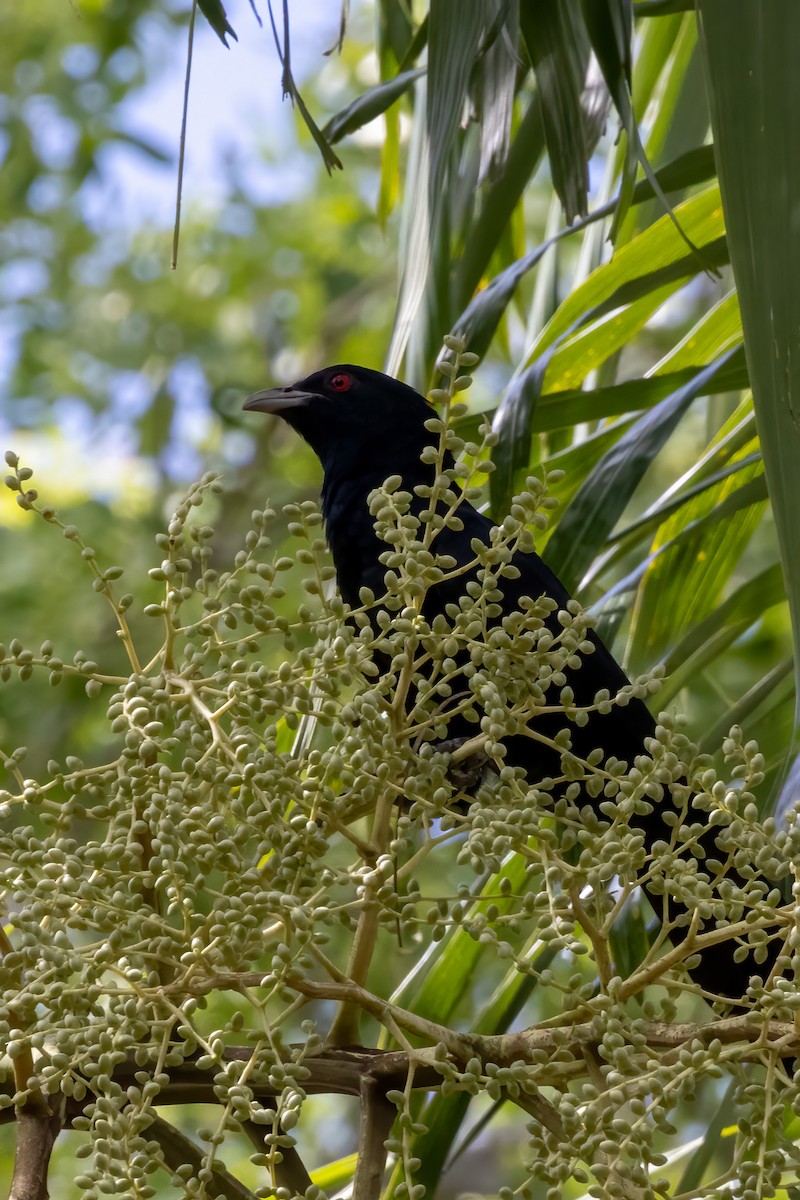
x=468 y=773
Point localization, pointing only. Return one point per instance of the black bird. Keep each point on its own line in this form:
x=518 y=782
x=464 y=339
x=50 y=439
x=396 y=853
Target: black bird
x=365 y=427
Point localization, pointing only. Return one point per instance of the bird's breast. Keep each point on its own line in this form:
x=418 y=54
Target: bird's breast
x=354 y=545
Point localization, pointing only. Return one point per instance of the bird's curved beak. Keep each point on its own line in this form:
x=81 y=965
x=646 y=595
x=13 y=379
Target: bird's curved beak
x=275 y=400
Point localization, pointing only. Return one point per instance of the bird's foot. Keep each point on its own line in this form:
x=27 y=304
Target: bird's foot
x=467 y=773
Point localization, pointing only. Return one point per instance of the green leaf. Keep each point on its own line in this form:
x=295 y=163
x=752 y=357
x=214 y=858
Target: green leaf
x=498 y=203
x=512 y=423
x=558 y=49
x=656 y=46
x=749 y=703
x=726 y=455
x=709 y=1144
x=515 y=420
x=481 y=316
x=610 y=28
x=753 y=86
x=694 y=554
x=390 y=167
x=657 y=253
x=452 y=963
x=438 y=985
x=662 y=8
x=444 y=1115
x=710 y=637
x=716 y=331
x=369 y=105
x=561 y=410
x=692 y=540
x=646 y=525
x=593 y=344
x=335 y=1175
x=395 y=36
x=285 y=736
x=689 y=169
x=494 y=90
x=557 y=410
x=417 y=44
x=454 y=34
x=576 y=461
x=629 y=938
x=453 y=41
x=395 y=32
x=605 y=492
x=329 y=156
x=215 y=14
x=661 y=80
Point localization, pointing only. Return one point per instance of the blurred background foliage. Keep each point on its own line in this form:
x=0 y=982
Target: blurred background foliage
x=611 y=343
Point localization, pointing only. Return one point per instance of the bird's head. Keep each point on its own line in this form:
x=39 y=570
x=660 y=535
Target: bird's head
x=353 y=418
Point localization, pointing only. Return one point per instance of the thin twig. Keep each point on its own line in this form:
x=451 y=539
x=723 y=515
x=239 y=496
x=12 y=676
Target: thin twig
x=176 y=233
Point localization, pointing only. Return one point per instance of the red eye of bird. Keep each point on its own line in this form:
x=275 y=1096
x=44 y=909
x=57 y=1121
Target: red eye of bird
x=342 y=382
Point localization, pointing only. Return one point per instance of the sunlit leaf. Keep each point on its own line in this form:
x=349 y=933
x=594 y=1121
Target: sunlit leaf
x=779 y=676
x=716 y=331
x=661 y=79
x=690 y=541
x=497 y=69
x=453 y=40
x=576 y=461
x=498 y=203
x=693 y=556
x=568 y=365
x=605 y=492
x=444 y=1115
x=710 y=637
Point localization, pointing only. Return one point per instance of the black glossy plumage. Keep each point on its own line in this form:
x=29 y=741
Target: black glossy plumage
x=364 y=427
